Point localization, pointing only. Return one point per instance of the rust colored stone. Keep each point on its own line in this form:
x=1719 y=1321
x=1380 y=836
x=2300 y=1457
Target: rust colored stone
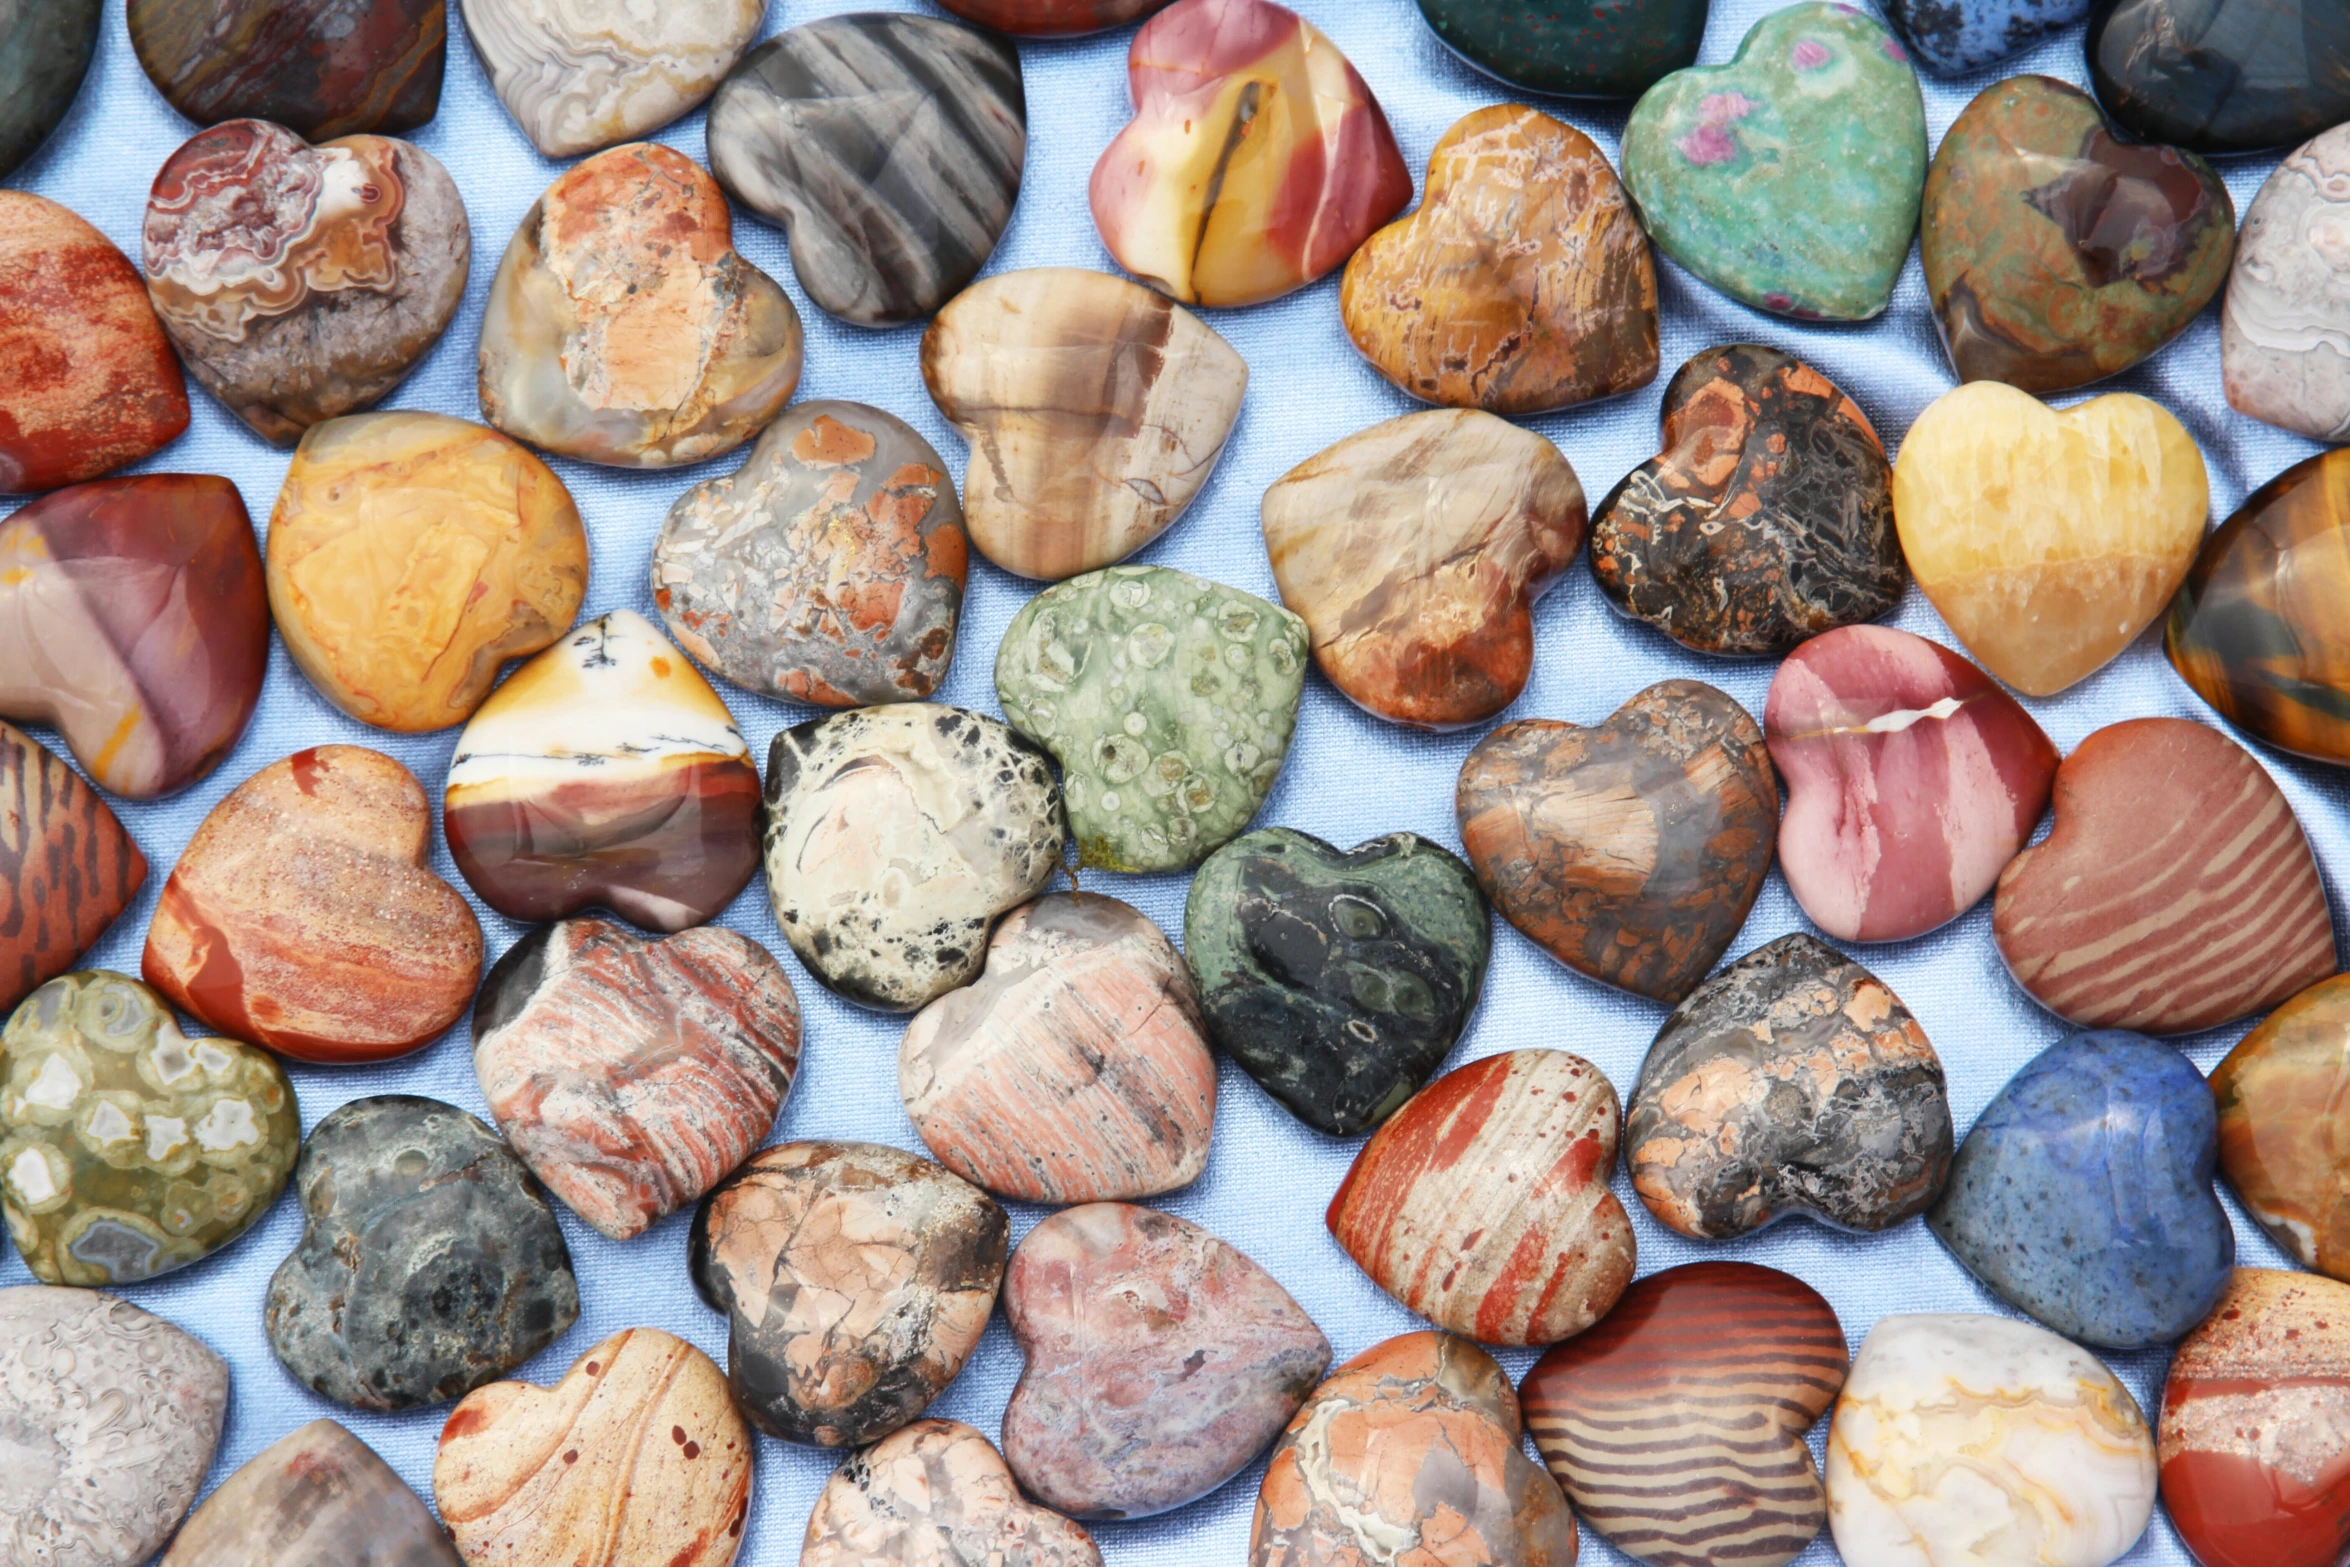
x=67 y=867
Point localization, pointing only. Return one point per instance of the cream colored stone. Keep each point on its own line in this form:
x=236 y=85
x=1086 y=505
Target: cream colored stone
x=582 y=74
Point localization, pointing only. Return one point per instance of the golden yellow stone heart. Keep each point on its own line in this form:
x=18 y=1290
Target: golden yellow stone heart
x=2048 y=540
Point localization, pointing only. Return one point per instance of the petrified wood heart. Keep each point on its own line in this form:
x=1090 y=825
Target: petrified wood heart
x=67 y=867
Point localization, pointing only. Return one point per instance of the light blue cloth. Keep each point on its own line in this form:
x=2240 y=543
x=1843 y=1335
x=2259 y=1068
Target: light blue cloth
x=1349 y=776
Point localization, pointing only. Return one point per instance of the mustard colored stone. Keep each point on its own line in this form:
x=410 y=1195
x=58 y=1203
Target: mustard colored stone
x=2048 y=539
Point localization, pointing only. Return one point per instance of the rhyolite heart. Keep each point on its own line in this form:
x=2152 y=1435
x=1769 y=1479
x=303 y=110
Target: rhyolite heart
x=1789 y=178
x=1577 y=48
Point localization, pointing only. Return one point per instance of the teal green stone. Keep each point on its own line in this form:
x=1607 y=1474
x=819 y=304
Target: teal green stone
x=1577 y=48
x=1168 y=701
x=1789 y=179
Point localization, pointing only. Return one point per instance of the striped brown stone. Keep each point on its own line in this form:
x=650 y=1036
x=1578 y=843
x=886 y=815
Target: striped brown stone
x=1676 y=1426
x=2175 y=893
x=67 y=867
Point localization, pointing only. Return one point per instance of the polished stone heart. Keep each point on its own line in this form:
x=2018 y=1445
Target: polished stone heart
x=2222 y=75
x=582 y=74
x=1631 y=850
x=68 y=868
x=2280 y=1142
x=936 y=1492
x=1053 y=18
x=1789 y=178
x=43 y=58
x=307 y=1500
x=2284 y=338
x=1578 y=48
x=317 y=67
x=1954 y=37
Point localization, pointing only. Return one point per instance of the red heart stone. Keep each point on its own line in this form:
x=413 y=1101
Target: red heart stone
x=67 y=868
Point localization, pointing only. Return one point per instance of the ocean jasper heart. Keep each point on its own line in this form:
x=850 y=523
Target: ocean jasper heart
x=1789 y=178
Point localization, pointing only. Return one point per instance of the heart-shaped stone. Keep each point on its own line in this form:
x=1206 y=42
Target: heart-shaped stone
x=1257 y=159
x=605 y=772
x=623 y=328
x=2175 y=893
x=2048 y=540
x=1911 y=781
x=304 y=915
x=1075 y=1069
x=1631 y=850
x=2239 y=76
x=1954 y=37
x=889 y=148
x=92 y=382
x=312 y=66
x=1788 y=178
x=2255 y=1449
x=67 y=867
x=2057 y=254
x=1095 y=410
x=1767 y=518
x=855 y=1280
x=303 y=282
x=1161 y=1361
x=2278 y=1134
x=637 y=1450
x=2284 y=347
x=1501 y=1161
x=1791 y=1082
x=936 y=1492
x=1579 y=48
x=429 y=1261
x=633 y=1075
x=313 y=1498
x=582 y=74
x=1337 y=979
x=2083 y=1194
x=1053 y=18
x=1676 y=1426
x=43 y=59
x=1522 y=284
x=135 y=619
x=1415 y=1439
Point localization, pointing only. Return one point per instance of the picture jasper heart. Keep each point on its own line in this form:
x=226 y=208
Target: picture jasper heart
x=1576 y=48
x=936 y=1492
x=1631 y=850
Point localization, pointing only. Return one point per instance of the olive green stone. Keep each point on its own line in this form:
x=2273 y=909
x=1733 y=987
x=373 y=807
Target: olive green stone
x=1168 y=701
x=128 y=1149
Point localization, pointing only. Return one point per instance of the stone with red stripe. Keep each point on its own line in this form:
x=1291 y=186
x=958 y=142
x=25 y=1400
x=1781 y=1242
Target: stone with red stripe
x=67 y=867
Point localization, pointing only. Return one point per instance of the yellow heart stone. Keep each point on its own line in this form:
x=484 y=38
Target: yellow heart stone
x=2047 y=539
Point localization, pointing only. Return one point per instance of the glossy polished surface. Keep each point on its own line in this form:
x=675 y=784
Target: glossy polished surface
x=1580 y=48
x=2283 y=1144
x=936 y=1492
x=582 y=74
x=2284 y=333
x=67 y=867
x=320 y=68
x=318 y=1497
x=2222 y=75
x=45 y=51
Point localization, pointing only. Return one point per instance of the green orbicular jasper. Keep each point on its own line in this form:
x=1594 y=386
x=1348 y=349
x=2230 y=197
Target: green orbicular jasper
x=1789 y=178
x=128 y=1149
x=1168 y=701
x=1579 y=48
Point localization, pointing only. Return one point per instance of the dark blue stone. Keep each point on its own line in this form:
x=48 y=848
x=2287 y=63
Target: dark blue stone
x=2083 y=1195
x=1953 y=37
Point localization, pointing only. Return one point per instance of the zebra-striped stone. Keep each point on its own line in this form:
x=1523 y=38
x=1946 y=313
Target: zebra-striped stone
x=1676 y=1426
x=2175 y=893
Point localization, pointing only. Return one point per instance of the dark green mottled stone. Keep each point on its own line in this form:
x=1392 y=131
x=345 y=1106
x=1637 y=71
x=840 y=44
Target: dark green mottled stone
x=431 y=1263
x=45 y=49
x=1576 y=48
x=1338 y=980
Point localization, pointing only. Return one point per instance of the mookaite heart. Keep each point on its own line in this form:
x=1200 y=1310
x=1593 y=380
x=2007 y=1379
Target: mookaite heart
x=2048 y=540
x=1789 y=178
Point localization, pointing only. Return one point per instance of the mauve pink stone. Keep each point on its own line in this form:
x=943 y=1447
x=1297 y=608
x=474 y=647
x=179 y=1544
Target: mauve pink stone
x=1912 y=779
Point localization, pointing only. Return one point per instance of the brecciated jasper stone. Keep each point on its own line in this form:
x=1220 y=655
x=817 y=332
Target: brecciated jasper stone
x=1630 y=850
x=2278 y=1133
x=1767 y=518
x=43 y=57
x=1168 y=700
x=1338 y=979
x=305 y=916
x=889 y=148
x=313 y=66
x=2057 y=254
x=1483 y=1204
x=1052 y=18
x=1094 y=408
x=1208 y=203
x=1955 y=37
x=411 y=555
x=1911 y=781
x=855 y=1280
x=2048 y=540
x=896 y=836
x=1791 y=1082
x=317 y=1497
x=636 y=1456
x=582 y=74
x=67 y=867
x=1161 y=1361
x=111 y=1416
x=605 y=772
x=134 y=618
x=1522 y=284
x=2255 y=1433
x=429 y=1262
x=1960 y=1436
x=936 y=1492
x=92 y=381
x=2282 y=325
x=829 y=568
x=1581 y=48
x=1414 y=1440
x=1074 y=1069
x=128 y=1149
x=1415 y=550
x=623 y=328
x=632 y=1075
x=2236 y=76
x=2176 y=892
x=1676 y=1426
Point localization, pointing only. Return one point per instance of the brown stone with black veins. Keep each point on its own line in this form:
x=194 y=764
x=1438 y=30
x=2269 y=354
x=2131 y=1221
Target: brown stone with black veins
x=1632 y=849
x=936 y=1494
x=67 y=867
x=318 y=67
